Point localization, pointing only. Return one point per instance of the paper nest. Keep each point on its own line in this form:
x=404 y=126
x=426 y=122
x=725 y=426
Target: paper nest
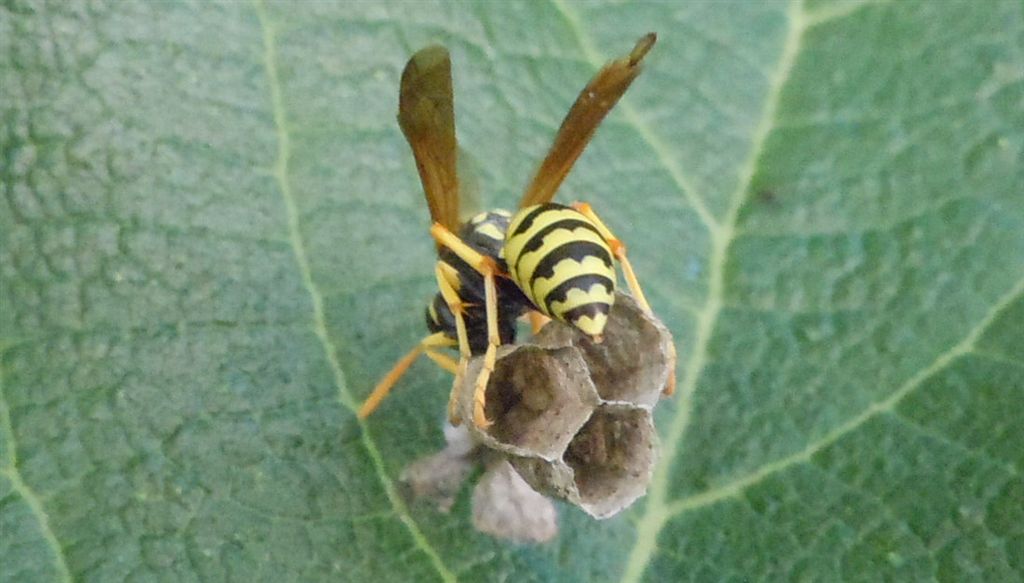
x=573 y=418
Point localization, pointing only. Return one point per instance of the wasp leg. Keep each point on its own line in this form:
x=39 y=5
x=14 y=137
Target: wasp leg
x=619 y=251
x=478 y=261
x=385 y=385
x=670 y=386
x=538 y=321
x=493 y=341
x=447 y=279
x=443 y=360
x=488 y=268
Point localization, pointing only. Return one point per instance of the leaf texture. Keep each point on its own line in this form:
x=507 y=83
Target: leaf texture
x=214 y=243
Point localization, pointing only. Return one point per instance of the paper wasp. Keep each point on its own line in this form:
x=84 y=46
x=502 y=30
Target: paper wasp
x=497 y=266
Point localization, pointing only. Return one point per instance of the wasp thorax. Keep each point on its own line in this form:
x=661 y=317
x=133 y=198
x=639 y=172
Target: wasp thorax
x=558 y=257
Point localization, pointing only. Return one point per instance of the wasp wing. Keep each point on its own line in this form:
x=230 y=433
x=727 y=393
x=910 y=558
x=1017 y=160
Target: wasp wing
x=426 y=115
x=469 y=186
x=579 y=125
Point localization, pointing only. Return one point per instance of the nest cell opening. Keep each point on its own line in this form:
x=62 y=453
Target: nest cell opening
x=612 y=458
x=538 y=399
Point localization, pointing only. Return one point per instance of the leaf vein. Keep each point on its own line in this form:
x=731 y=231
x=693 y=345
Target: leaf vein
x=962 y=348
x=281 y=173
x=886 y=513
x=24 y=490
x=840 y=10
x=922 y=430
x=656 y=512
x=997 y=358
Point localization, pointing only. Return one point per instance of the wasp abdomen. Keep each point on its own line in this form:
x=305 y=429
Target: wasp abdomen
x=563 y=264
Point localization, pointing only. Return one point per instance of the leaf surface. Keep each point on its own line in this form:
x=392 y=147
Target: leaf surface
x=214 y=243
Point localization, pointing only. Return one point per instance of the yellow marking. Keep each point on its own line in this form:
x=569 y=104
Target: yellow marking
x=518 y=218
x=591 y=326
x=578 y=297
x=528 y=262
x=503 y=213
x=490 y=230
x=478 y=218
x=566 y=269
x=514 y=244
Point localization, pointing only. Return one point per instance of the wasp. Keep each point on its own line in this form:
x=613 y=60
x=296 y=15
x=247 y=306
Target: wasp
x=546 y=259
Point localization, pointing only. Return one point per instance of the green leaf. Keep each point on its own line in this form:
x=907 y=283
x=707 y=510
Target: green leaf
x=214 y=242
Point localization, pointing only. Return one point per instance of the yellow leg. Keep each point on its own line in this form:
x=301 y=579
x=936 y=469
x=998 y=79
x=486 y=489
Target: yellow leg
x=443 y=360
x=493 y=341
x=488 y=268
x=538 y=321
x=474 y=258
x=388 y=382
x=670 y=385
x=447 y=280
x=619 y=250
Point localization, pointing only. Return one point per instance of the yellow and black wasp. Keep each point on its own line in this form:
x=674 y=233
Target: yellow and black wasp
x=497 y=266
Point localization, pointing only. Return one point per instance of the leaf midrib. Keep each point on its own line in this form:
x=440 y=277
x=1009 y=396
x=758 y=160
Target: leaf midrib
x=281 y=176
x=722 y=233
x=657 y=511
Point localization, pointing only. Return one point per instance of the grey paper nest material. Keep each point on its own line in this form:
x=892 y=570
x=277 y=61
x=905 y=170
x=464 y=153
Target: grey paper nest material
x=504 y=505
x=574 y=417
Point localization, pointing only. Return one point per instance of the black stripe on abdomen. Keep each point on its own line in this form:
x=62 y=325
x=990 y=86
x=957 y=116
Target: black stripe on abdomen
x=527 y=222
x=537 y=239
x=577 y=250
x=591 y=310
x=582 y=282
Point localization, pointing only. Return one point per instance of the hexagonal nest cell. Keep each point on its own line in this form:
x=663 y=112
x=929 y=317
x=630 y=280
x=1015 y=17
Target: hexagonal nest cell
x=574 y=417
x=633 y=362
x=612 y=458
x=537 y=399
